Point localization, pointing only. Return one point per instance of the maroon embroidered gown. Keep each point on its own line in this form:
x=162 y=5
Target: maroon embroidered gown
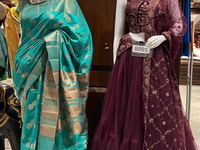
x=142 y=107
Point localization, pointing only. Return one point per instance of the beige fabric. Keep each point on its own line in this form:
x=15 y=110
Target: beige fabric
x=3 y=11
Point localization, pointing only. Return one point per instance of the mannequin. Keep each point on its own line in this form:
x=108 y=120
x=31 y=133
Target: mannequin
x=142 y=107
x=51 y=74
x=152 y=42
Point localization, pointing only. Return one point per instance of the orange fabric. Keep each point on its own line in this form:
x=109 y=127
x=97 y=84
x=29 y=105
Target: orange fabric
x=12 y=37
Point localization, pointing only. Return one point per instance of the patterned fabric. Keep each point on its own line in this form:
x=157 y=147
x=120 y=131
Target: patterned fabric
x=142 y=107
x=51 y=75
x=4 y=58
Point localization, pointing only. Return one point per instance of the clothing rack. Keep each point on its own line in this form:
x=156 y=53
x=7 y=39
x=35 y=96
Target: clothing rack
x=190 y=70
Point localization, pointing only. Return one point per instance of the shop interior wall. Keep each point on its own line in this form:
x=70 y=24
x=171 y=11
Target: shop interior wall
x=100 y=16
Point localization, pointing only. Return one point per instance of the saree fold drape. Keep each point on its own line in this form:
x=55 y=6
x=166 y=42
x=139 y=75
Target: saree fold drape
x=51 y=75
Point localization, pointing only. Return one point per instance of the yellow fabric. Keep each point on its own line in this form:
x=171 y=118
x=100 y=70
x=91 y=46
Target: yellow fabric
x=14 y=13
x=16 y=21
x=12 y=36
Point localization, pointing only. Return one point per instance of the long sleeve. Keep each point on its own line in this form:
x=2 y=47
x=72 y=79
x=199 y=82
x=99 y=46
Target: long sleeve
x=176 y=26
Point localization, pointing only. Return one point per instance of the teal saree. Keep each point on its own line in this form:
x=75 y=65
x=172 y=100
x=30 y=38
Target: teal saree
x=51 y=75
x=4 y=58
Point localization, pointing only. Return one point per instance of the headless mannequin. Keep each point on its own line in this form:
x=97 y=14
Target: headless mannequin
x=152 y=42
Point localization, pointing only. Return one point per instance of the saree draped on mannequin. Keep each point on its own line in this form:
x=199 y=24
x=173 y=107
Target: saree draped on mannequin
x=4 y=57
x=51 y=75
x=142 y=106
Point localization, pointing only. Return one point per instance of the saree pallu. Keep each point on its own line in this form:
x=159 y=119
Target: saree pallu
x=51 y=75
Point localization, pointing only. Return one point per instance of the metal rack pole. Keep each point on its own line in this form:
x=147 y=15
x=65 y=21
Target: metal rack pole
x=190 y=75
x=188 y=87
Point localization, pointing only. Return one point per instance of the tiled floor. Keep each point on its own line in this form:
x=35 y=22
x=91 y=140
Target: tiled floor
x=195 y=110
x=194 y=117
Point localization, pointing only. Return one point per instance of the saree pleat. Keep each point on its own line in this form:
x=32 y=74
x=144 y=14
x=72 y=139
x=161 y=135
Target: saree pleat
x=51 y=75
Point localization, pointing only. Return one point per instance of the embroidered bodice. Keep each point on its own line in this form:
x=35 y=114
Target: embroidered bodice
x=141 y=15
x=154 y=17
x=136 y=17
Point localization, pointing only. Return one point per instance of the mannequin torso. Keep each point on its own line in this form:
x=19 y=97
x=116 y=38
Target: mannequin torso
x=152 y=42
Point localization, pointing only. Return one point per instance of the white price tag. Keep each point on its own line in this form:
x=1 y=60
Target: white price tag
x=139 y=50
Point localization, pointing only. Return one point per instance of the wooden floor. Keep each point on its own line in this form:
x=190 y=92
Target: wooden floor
x=183 y=72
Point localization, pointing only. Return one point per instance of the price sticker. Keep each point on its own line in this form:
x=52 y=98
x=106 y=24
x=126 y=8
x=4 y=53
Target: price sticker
x=140 y=50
